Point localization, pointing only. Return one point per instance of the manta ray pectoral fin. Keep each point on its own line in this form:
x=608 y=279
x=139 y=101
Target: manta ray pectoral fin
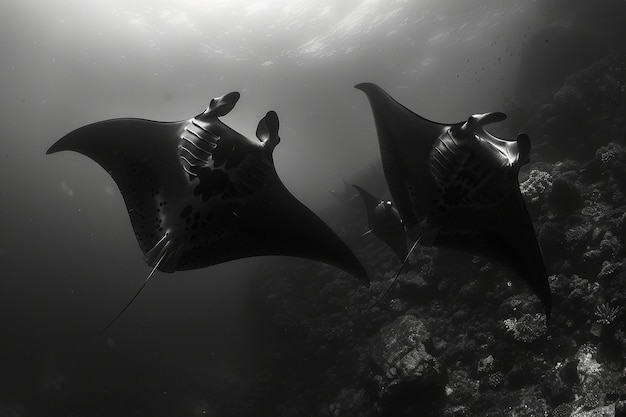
x=523 y=146
x=288 y=227
x=526 y=258
x=405 y=140
x=140 y=155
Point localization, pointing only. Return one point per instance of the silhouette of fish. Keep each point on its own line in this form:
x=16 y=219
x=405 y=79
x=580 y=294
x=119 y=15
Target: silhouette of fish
x=455 y=185
x=384 y=222
x=198 y=193
x=345 y=197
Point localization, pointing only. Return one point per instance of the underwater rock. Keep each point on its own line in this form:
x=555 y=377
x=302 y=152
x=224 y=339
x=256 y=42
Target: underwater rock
x=610 y=246
x=621 y=224
x=591 y=261
x=528 y=370
x=457 y=411
x=559 y=347
x=590 y=372
x=397 y=307
x=398 y=338
x=529 y=405
x=551 y=235
x=461 y=388
x=535 y=189
x=351 y=402
x=472 y=294
x=612 y=158
x=485 y=365
x=565 y=197
x=578 y=237
x=577 y=296
x=516 y=306
x=413 y=288
x=562 y=410
x=408 y=381
x=605 y=411
x=596 y=329
x=555 y=390
x=609 y=269
x=569 y=372
x=620 y=409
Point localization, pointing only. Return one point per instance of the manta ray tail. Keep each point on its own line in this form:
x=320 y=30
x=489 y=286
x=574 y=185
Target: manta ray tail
x=164 y=255
x=395 y=279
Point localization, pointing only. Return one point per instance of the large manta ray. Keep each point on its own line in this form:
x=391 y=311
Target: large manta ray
x=199 y=193
x=456 y=185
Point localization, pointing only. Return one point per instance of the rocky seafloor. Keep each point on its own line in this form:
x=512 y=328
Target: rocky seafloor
x=459 y=335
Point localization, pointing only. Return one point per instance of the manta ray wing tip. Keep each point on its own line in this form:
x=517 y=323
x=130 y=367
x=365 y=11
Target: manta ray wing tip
x=356 y=269
x=76 y=139
x=361 y=274
x=56 y=147
x=362 y=277
x=365 y=86
x=547 y=305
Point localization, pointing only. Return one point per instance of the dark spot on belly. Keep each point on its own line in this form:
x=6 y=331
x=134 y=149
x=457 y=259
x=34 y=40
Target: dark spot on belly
x=186 y=212
x=212 y=182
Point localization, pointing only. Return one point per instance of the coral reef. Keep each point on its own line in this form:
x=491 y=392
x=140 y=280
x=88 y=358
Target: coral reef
x=528 y=328
x=408 y=380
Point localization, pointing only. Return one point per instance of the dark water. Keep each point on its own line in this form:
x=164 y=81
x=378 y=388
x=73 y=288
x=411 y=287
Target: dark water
x=68 y=257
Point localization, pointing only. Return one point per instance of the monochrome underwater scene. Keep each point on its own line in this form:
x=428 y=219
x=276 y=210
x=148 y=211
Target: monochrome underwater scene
x=304 y=208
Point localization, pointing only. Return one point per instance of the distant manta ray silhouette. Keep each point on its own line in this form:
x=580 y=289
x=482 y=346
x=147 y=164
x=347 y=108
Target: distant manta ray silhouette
x=198 y=193
x=345 y=197
x=384 y=222
x=456 y=185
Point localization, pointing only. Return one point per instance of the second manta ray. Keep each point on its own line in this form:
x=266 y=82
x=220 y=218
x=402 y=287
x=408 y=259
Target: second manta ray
x=198 y=193
x=384 y=222
x=456 y=185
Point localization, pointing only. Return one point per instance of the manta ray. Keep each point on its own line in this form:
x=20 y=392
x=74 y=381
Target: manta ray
x=345 y=197
x=456 y=185
x=198 y=193
x=384 y=222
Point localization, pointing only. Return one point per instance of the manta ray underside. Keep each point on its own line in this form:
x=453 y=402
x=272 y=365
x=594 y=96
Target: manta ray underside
x=456 y=185
x=198 y=193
